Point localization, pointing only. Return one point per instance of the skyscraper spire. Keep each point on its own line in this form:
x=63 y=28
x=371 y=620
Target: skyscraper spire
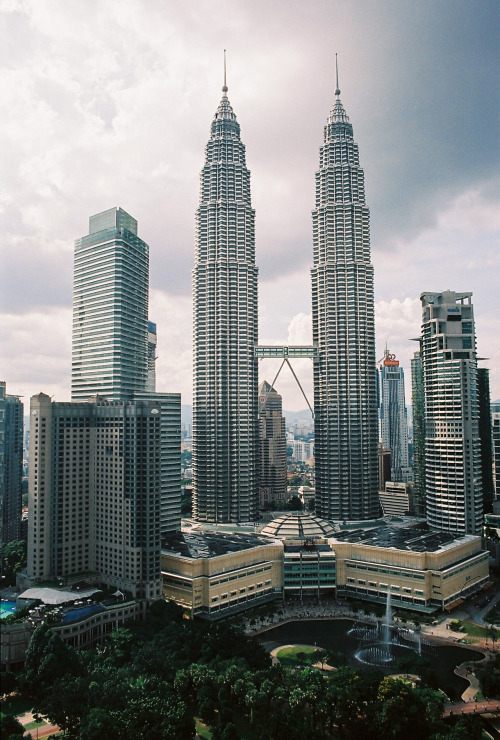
x=337 y=90
x=224 y=88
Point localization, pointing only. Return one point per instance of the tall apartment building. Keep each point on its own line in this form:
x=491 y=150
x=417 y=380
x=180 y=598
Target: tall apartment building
x=345 y=379
x=225 y=410
x=393 y=418
x=272 y=445
x=454 y=497
x=11 y=465
x=95 y=493
x=114 y=344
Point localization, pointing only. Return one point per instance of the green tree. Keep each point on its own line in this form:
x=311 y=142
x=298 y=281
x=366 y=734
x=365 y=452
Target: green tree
x=10 y=727
x=405 y=712
x=98 y=724
x=48 y=658
x=294 y=504
x=8 y=682
x=14 y=560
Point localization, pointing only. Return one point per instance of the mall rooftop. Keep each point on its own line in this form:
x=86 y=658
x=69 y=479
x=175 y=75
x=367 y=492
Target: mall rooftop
x=412 y=539
x=201 y=544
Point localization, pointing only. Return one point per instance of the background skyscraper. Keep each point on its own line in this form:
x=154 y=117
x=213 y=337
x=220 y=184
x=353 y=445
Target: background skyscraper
x=272 y=444
x=225 y=414
x=454 y=497
x=345 y=382
x=393 y=418
x=11 y=465
x=110 y=308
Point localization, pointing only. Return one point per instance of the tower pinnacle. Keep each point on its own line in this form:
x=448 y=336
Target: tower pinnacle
x=224 y=87
x=337 y=90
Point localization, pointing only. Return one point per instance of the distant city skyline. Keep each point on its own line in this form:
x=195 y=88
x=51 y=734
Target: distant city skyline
x=95 y=121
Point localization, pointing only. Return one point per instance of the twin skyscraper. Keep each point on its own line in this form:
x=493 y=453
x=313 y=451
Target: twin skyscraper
x=225 y=406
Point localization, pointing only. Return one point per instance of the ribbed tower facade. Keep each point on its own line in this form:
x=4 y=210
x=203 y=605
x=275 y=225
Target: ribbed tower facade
x=225 y=402
x=454 y=494
x=345 y=382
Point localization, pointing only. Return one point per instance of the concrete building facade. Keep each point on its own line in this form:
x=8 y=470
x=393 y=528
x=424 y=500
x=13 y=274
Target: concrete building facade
x=95 y=493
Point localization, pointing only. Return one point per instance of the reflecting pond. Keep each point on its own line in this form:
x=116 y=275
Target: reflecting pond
x=332 y=634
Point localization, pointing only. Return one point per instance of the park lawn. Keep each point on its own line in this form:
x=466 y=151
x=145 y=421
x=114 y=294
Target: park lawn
x=297 y=655
x=202 y=729
x=34 y=725
x=475 y=630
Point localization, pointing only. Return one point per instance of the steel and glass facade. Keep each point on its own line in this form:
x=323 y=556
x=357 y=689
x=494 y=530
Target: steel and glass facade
x=345 y=381
x=454 y=496
x=225 y=412
x=110 y=309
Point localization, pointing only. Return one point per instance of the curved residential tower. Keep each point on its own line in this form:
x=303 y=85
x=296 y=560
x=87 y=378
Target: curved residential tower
x=345 y=391
x=225 y=403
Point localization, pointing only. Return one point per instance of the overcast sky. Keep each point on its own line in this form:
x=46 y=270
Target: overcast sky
x=109 y=102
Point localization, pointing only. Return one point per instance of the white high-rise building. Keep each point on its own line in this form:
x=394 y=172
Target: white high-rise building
x=393 y=416
x=454 y=496
x=345 y=379
x=225 y=410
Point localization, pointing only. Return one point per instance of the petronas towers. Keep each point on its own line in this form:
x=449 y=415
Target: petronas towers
x=345 y=381
x=225 y=408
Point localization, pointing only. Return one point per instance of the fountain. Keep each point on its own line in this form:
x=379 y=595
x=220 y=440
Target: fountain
x=388 y=621
x=377 y=646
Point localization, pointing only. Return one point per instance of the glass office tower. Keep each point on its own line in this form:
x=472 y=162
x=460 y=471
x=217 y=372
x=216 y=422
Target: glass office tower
x=110 y=309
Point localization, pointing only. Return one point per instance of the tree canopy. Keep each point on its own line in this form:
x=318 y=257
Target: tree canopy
x=151 y=679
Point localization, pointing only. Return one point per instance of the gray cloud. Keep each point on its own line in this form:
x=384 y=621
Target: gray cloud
x=110 y=104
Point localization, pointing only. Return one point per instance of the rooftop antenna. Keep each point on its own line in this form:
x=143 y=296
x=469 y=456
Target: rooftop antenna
x=224 y=89
x=337 y=91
